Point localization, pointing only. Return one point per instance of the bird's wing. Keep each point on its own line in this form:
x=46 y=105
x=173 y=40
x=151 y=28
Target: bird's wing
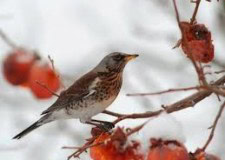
x=83 y=87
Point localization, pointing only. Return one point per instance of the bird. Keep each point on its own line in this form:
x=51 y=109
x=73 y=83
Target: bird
x=91 y=94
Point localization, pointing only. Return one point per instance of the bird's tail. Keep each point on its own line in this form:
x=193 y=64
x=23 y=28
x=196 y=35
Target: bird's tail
x=28 y=130
x=35 y=125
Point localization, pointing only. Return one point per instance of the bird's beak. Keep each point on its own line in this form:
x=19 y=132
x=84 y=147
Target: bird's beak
x=131 y=56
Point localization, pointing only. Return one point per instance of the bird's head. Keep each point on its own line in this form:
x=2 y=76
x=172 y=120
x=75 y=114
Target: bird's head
x=114 y=62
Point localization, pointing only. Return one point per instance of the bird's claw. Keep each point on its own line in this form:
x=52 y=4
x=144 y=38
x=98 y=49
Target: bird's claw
x=106 y=126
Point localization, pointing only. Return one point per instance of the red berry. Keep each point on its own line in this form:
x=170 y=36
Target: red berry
x=113 y=148
x=201 y=155
x=167 y=150
x=43 y=73
x=17 y=66
x=196 y=42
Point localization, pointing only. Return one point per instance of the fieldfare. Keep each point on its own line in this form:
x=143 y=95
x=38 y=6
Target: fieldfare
x=89 y=95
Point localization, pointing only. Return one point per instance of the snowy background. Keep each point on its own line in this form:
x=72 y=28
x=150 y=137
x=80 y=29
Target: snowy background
x=78 y=34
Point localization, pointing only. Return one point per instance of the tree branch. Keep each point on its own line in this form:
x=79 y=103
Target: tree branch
x=166 y=91
x=189 y=101
x=213 y=127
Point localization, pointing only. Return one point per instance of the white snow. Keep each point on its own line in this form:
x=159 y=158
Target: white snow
x=165 y=127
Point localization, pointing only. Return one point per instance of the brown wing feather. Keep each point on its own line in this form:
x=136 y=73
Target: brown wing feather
x=76 y=91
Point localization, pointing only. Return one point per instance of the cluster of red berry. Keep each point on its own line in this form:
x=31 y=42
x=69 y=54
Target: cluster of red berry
x=25 y=68
x=115 y=147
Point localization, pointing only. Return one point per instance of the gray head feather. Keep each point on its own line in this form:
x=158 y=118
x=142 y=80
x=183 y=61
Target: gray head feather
x=114 y=62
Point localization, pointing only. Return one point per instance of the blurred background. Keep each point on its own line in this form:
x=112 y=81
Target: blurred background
x=77 y=34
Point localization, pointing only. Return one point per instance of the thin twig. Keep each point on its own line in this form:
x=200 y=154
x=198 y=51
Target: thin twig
x=213 y=127
x=138 y=115
x=112 y=113
x=136 y=129
x=48 y=89
x=166 y=91
x=177 y=14
x=7 y=40
x=68 y=147
x=218 y=72
x=199 y=71
x=52 y=62
x=178 y=22
x=56 y=73
x=81 y=149
x=193 y=19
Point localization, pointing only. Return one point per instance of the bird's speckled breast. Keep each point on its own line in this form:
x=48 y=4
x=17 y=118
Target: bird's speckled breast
x=105 y=90
x=108 y=87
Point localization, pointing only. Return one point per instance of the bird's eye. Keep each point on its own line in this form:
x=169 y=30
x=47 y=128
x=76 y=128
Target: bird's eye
x=117 y=57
